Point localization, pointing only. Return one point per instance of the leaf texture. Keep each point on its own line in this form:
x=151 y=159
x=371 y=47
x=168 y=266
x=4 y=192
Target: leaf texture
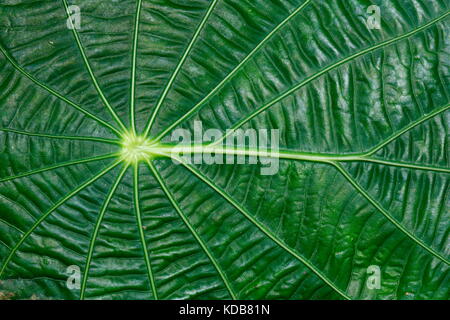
x=363 y=178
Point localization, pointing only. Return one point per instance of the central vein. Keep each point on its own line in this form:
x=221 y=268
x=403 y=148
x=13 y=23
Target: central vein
x=139 y=148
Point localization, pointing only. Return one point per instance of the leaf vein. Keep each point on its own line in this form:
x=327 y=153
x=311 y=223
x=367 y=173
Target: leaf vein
x=96 y=230
x=141 y=231
x=49 y=212
x=191 y=229
x=244 y=212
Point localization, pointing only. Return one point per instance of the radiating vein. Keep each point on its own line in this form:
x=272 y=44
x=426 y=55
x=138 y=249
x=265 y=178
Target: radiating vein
x=11 y=226
x=191 y=229
x=89 y=68
x=178 y=67
x=235 y=70
x=61 y=165
x=261 y=227
x=133 y=65
x=170 y=151
x=406 y=129
x=327 y=69
x=386 y=214
x=406 y=165
x=54 y=136
x=5 y=245
x=137 y=206
x=96 y=230
x=50 y=211
x=55 y=93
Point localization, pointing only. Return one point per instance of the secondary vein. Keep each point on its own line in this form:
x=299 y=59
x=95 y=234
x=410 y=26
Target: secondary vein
x=89 y=68
x=55 y=93
x=61 y=165
x=133 y=67
x=235 y=70
x=406 y=129
x=96 y=230
x=178 y=67
x=387 y=215
x=141 y=231
x=261 y=227
x=325 y=70
x=50 y=211
x=191 y=229
x=54 y=136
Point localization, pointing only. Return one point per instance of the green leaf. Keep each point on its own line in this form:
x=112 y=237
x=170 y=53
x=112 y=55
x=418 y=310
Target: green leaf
x=96 y=204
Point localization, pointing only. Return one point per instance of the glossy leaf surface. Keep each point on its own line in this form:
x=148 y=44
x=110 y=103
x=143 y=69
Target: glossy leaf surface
x=363 y=179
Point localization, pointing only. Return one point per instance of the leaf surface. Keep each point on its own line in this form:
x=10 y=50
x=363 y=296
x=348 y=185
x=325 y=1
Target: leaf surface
x=364 y=163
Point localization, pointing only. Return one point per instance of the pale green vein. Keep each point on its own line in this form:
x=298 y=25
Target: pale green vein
x=405 y=165
x=267 y=232
x=89 y=69
x=178 y=67
x=191 y=229
x=141 y=231
x=133 y=66
x=11 y=226
x=61 y=165
x=235 y=70
x=56 y=94
x=49 y=212
x=172 y=151
x=53 y=136
x=409 y=127
x=388 y=216
x=5 y=245
x=96 y=230
x=327 y=69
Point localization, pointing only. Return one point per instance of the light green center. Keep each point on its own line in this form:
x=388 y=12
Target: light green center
x=135 y=148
